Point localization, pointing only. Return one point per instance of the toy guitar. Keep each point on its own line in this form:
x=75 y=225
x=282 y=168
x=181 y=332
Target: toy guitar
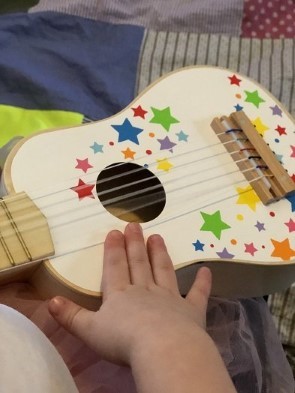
x=205 y=157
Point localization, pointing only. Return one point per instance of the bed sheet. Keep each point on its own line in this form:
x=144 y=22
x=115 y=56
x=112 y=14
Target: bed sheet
x=65 y=63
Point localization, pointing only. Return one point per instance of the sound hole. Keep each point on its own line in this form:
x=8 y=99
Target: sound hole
x=130 y=192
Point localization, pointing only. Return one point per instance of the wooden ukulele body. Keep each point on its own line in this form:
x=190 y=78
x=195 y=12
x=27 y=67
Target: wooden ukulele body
x=160 y=162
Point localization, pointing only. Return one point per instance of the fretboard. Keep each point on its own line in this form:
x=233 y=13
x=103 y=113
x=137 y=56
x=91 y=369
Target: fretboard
x=24 y=232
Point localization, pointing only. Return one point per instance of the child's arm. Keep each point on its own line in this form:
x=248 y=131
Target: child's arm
x=145 y=323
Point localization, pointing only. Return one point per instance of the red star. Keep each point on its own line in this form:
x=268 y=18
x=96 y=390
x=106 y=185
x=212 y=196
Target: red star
x=83 y=190
x=139 y=112
x=234 y=80
x=293 y=177
x=250 y=248
x=293 y=151
x=291 y=225
x=281 y=130
x=83 y=164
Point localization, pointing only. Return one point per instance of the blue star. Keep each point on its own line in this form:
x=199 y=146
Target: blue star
x=238 y=107
x=97 y=148
x=127 y=132
x=182 y=136
x=291 y=199
x=198 y=246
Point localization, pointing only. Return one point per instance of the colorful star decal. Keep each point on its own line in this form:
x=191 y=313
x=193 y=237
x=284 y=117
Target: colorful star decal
x=279 y=157
x=250 y=248
x=260 y=127
x=291 y=199
x=291 y=225
x=128 y=153
x=260 y=226
x=224 y=254
x=127 y=132
x=234 y=80
x=254 y=98
x=163 y=117
x=247 y=196
x=199 y=246
x=282 y=249
x=166 y=144
x=164 y=165
x=213 y=223
x=276 y=111
x=83 y=164
x=238 y=107
x=139 y=112
x=83 y=190
x=97 y=148
x=293 y=151
x=182 y=136
x=281 y=130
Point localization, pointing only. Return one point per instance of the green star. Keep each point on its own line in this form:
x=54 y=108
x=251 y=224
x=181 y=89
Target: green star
x=254 y=98
x=214 y=223
x=163 y=117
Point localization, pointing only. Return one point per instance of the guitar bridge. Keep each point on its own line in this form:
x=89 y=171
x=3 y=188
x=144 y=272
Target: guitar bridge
x=253 y=157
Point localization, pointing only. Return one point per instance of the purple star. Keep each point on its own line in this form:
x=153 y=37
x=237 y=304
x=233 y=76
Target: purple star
x=224 y=254
x=276 y=110
x=260 y=226
x=166 y=144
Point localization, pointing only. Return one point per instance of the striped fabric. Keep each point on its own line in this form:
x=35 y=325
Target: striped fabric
x=209 y=16
x=281 y=306
x=271 y=62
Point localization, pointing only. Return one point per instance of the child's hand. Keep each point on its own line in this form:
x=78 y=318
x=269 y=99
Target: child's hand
x=141 y=301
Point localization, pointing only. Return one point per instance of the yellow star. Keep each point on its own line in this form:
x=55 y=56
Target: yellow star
x=282 y=250
x=247 y=196
x=164 y=165
x=128 y=153
x=260 y=127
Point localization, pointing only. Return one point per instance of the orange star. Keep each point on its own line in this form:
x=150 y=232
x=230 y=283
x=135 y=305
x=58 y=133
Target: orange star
x=128 y=153
x=282 y=250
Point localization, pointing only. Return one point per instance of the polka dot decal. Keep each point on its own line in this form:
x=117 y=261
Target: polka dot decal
x=269 y=19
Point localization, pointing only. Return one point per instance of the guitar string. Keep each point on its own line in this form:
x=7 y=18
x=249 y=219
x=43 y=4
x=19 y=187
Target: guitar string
x=146 y=189
x=133 y=171
x=148 y=179
x=25 y=217
x=148 y=225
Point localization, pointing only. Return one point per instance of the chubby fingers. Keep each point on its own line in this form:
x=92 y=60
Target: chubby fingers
x=137 y=256
x=200 y=291
x=161 y=263
x=115 y=275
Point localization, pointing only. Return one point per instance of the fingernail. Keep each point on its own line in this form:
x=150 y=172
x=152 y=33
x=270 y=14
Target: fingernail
x=156 y=239
x=115 y=234
x=135 y=227
x=55 y=305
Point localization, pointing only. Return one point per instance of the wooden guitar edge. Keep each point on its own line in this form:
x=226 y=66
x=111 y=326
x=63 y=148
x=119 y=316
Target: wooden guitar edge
x=230 y=280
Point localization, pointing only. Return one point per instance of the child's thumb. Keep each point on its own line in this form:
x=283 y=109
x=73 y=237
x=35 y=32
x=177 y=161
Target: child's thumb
x=72 y=317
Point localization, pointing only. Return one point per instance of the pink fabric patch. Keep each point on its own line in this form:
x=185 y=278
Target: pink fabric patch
x=269 y=19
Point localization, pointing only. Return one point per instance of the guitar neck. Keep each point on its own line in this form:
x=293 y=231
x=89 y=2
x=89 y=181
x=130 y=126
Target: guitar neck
x=24 y=232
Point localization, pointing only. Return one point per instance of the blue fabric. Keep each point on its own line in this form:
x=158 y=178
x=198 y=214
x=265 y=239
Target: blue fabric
x=57 y=61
